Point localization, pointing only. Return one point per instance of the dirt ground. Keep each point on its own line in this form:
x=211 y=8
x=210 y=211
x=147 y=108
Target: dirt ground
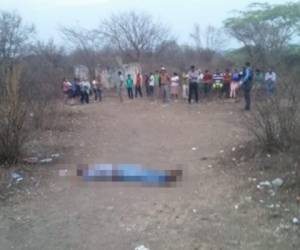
x=214 y=206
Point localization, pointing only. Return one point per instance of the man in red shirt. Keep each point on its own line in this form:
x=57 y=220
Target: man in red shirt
x=207 y=81
x=138 y=85
x=226 y=83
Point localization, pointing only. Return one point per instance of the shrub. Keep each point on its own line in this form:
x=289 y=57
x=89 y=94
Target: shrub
x=12 y=117
x=276 y=120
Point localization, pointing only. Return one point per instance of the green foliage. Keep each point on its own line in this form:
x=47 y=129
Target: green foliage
x=265 y=29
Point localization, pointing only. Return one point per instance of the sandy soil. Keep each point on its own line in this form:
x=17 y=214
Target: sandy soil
x=209 y=209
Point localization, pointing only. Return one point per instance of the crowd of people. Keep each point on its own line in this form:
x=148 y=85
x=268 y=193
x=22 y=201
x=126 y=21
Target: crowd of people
x=187 y=86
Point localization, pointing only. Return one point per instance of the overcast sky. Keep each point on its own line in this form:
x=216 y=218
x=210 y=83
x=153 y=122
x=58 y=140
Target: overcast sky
x=180 y=16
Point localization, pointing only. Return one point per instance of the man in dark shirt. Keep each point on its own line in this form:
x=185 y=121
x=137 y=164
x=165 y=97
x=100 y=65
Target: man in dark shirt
x=247 y=85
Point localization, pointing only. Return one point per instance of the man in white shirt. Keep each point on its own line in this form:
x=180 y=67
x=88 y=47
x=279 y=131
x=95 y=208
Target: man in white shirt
x=151 y=85
x=270 y=81
x=85 y=88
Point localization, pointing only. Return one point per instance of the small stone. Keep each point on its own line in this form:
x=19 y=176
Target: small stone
x=55 y=155
x=194 y=148
x=194 y=211
x=277 y=183
x=270 y=206
x=248 y=198
x=233 y=149
x=142 y=247
x=271 y=192
x=236 y=207
x=296 y=221
x=48 y=160
x=265 y=184
x=63 y=172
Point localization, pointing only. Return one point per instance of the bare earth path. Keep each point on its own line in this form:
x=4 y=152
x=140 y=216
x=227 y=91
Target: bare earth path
x=199 y=213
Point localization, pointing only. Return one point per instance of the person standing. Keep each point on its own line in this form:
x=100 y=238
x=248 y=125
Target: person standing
x=157 y=83
x=247 y=85
x=193 y=84
x=120 y=85
x=185 y=86
x=146 y=82
x=174 y=85
x=270 y=81
x=129 y=83
x=138 y=85
x=234 y=85
x=67 y=89
x=226 y=83
x=200 y=82
x=218 y=81
x=74 y=90
x=207 y=81
x=85 y=88
x=151 y=85
x=97 y=90
x=165 y=84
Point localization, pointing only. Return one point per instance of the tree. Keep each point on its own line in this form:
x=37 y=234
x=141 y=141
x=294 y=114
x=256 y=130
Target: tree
x=133 y=34
x=14 y=36
x=85 y=44
x=211 y=38
x=265 y=29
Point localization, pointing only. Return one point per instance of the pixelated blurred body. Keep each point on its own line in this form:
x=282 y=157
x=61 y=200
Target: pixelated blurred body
x=128 y=173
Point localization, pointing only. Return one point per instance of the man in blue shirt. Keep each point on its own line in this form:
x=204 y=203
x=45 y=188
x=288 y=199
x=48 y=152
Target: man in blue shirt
x=247 y=85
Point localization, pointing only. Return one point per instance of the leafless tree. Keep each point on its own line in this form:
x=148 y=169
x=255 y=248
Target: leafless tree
x=211 y=38
x=197 y=37
x=133 y=34
x=85 y=45
x=14 y=36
